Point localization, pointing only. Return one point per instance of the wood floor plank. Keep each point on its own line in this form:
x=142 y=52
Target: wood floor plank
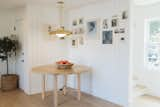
x=19 y=99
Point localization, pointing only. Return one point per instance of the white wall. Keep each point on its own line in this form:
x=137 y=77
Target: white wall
x=6 y=25
x=41 y=47
x=110 y=63
x=147 y=77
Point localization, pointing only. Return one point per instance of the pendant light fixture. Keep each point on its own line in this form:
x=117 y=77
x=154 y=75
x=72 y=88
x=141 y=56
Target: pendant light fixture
x=61 y=32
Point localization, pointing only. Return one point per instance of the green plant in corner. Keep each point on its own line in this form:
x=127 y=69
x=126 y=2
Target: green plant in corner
x=8 y=48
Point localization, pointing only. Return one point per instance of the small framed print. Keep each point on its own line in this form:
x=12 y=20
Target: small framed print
x=81 y=30
x=74 y=23
x=119 y=31
x=75 y=31
x=124 y=15
x=81 y=40
x=114 y=22
x=81 y=21
x=92 y=29
x=107 y=37
x=122 y=30
x=116 y=31
x=105 y=24
x=74 y=43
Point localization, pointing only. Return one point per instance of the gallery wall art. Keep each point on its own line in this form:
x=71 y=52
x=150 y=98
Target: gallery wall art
x=105 y=24
x=118 y=24
x=107 y=37
x=107 y=29
x=74 y=43
x=81 y=40
x=92 y=29
x=78 y=26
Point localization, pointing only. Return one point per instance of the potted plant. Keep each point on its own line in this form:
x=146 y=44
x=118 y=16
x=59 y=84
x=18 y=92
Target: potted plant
x=8 y=49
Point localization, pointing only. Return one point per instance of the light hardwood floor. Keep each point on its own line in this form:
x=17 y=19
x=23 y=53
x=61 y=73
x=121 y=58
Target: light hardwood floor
x=146 y=101
x=19 y=99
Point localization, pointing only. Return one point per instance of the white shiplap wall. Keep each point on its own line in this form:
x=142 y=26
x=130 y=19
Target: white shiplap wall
x=42 y=48
x=110 y=63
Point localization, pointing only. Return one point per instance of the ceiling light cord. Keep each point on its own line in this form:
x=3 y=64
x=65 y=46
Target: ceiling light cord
x=61 y=12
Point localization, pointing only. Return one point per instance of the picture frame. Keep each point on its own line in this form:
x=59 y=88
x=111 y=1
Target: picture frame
x=92 y=29
x=81 y=21
x=105 y=24
x=74 y=43
x=119 y=31
x=124 y=15
x=78 y=27
x=74 y=23
x=114 y=22
x=107 y=37
x=75 y=31
x=81 y=30
x=81 y=40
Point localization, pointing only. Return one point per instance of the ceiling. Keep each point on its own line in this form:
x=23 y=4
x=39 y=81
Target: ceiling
x=146 y=2
x=69 y=3
x=20 y=3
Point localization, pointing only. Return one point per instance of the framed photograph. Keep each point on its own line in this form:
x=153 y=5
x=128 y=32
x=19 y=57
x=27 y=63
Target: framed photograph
x=75 y=31
x=122 y=30
x=74 y=43
x=81 y=21
x=124 y=15
x=116 y=31
x=81 y=40
x=74 y=23
x=119 y=31
x=81 y=30
x=107 y=37
x=105 y=24
x=114 y=22
x=92 y=29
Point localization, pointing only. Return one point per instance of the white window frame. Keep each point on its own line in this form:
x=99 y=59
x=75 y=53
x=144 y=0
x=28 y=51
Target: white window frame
x=146 y=43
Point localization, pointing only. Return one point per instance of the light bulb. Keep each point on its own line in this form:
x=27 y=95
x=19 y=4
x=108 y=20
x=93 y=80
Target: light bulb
x=61 y=35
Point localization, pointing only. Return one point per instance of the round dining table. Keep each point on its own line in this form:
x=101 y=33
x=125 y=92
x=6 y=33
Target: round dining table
x=53 y=70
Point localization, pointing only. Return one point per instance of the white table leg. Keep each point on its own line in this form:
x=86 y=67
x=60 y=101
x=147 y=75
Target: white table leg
x=43 y=86
x=55 y=91
x=65 y=85
x=79 y=86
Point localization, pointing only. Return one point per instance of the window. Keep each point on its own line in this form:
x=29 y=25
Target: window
x=152 y=43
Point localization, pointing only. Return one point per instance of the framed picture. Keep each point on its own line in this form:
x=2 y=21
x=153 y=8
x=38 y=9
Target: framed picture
x=119 y=31
x=81 y=40
x=74 y=43
x=116 y=31
x=92 y=29
x=105 y=24
x=75 y=31
x=81 y=30
x=124 y=15
x=122 y=30
x=114 y=22
x=107 y=37
x=74 y=23
x=81 y=21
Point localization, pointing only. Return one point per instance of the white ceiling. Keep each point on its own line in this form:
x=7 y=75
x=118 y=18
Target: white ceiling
x=146 y=2
x=69 y=3
x=21 y=3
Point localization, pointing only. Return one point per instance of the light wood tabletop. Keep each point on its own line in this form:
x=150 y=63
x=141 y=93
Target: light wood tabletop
x=53 y=70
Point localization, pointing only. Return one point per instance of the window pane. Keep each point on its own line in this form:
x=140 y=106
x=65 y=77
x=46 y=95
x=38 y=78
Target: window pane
x=153 y=43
